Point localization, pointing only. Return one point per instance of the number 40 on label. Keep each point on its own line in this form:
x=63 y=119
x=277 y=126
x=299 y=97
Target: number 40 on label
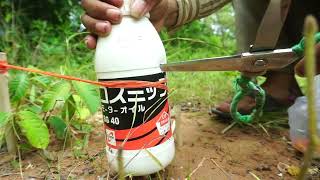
x=114 y=120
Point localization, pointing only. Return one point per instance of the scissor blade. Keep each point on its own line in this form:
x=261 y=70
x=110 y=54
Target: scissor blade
x=248 y=62
x=227 y=63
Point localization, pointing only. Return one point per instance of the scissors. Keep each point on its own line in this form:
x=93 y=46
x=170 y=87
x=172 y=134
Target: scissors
x=258 y=61
x=261 y=57
x=252 y=61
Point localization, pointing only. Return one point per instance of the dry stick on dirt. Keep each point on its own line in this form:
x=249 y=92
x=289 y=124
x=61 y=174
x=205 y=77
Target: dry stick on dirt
x=228 y=127
x=195 y=170
x=255 y=176
x=264 y=129
x=5 y=107
x=9 y=174
x=20 y=164
x=310 y=28
x=224 y=172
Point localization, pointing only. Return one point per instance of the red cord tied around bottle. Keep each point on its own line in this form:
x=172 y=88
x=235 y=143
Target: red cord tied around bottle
x=4 y=67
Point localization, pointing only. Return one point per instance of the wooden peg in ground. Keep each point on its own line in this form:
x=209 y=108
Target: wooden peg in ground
x=5 y=107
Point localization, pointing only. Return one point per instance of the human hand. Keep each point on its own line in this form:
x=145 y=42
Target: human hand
x=100 y=15
x=300 y=67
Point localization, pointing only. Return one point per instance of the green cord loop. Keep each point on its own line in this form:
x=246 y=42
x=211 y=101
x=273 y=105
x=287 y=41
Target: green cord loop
x=244 y=86
x=299 y=48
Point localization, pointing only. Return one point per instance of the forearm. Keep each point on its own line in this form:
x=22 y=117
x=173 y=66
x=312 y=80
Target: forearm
x=185 y=11
x=171 y=19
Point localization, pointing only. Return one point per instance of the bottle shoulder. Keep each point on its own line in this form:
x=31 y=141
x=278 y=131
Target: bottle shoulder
x=133 y=44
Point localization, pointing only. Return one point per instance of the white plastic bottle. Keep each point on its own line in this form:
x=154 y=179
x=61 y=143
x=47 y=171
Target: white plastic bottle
x=138 y=120
x=298 y=120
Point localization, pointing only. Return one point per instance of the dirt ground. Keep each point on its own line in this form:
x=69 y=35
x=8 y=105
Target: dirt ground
x=203 y=153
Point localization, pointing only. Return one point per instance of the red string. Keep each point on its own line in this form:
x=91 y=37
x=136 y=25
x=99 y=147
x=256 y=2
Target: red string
x=4 y=67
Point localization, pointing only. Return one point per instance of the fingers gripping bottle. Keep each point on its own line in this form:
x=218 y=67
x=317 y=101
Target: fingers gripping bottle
x=137 y=120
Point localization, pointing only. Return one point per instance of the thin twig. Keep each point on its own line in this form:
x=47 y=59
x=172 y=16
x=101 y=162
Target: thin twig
x=255 y=176
x=75 y=167
x=20 y=163
x=159 y=175
x=154 y=158
x=199 y=166
x=264 y=129
x=310 y=30
x=121 y=172
x=224 y=172
x=229 y=127
x=9 y=174
x=14 y=130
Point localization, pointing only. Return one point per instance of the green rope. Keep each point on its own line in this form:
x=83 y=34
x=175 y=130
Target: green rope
x=244 y=86
x=299 y=48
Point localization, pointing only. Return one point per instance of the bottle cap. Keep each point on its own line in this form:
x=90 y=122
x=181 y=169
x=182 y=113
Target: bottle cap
x=125 y=9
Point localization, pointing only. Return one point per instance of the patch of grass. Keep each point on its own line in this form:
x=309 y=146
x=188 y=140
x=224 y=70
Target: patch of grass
x=204 y=87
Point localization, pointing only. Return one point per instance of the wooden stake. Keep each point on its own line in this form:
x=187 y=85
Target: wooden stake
x=5 y=107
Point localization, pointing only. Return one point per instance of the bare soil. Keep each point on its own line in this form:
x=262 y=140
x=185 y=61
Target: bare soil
x=202 y=153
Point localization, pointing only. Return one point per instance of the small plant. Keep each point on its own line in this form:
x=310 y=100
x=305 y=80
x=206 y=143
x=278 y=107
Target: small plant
x=41 y=105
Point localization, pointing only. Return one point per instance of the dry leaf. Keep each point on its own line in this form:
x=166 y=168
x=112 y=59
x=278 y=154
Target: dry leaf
x=293 y=170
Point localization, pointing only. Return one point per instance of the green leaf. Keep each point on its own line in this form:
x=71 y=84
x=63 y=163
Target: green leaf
x=59 y=126
x=32 y=96
x=4 y=118
x=89 y=95
x=83 y=113
x=34 y=108
x=69 y=109
x=18 y=86
x=41 y=80
x=33 y=127
x=59 y=92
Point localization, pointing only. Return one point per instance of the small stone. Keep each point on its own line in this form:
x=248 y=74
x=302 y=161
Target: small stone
x=263 y=167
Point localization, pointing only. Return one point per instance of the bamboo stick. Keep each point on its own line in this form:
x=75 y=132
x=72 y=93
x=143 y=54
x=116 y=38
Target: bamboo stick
x=5 y=107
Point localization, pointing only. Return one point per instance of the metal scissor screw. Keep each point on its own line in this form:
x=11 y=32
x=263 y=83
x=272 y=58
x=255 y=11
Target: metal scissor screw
x=260 y=63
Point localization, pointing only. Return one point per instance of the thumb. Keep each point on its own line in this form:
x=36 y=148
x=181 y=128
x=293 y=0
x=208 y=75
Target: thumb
x=140 y=8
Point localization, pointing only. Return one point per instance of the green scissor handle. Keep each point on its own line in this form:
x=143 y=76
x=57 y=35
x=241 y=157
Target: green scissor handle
x=245 y=86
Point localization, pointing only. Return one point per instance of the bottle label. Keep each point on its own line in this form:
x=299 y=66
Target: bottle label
x=136 y=118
